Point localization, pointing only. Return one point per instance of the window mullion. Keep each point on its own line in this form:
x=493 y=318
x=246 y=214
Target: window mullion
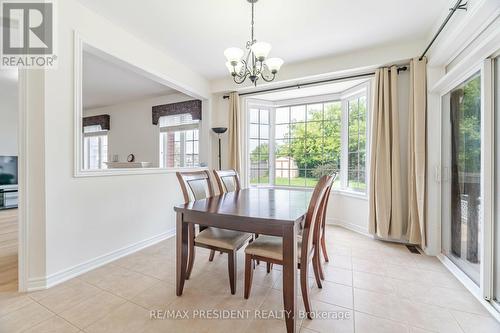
x=272 y=137
x=182 y=148
x=344 y=144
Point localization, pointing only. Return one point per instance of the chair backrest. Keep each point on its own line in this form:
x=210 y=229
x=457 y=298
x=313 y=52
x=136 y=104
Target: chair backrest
x=326 y=199
x=195 y=185
x=227 y=180
x=313 y=212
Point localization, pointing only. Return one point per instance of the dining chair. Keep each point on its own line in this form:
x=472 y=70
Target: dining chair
x=195 y=186
x=227 y=180
x=322 y=227
x=270 y=248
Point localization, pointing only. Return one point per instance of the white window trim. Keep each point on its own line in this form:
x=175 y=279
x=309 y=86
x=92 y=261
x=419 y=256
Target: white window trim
x=185 y=127
x=363 y=89
x=192 y=91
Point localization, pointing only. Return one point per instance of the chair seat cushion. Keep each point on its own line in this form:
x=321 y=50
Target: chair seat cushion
x=270 y=247
x=221 y=238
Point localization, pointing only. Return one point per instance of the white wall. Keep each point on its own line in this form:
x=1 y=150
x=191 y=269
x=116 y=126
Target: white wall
x=132 y=130
x=8 y=117
x=76 y=222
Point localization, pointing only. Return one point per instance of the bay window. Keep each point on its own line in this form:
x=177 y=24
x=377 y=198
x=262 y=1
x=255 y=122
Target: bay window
x=295 y=143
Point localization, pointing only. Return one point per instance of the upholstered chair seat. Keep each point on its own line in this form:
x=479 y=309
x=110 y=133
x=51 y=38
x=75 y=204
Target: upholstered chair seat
x=221 y=238
x=270 y=247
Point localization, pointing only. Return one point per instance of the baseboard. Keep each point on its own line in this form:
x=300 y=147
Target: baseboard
x=349 y=225
x=67 y=274
x=468 y=284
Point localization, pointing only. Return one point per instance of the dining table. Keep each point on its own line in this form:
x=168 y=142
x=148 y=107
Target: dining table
x=256 y=210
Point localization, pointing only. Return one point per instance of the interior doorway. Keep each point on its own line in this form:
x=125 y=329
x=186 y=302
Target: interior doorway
x=9 y=222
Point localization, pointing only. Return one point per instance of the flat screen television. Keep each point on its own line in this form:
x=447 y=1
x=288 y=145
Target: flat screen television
x=8 y=170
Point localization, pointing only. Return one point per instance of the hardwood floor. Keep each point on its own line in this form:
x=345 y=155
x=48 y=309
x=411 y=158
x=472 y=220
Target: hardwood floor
x=8 y=250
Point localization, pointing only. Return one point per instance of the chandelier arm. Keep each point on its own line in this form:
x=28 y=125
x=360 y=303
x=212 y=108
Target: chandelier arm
x=242 y=78
x=268 y=79
x=245 y=70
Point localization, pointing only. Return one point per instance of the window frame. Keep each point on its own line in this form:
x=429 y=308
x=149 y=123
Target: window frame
x=363 y=89
x=86 y=159
x=349 y=96
x=179 y=128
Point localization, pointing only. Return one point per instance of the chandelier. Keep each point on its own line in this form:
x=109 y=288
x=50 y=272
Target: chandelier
x=255 y=64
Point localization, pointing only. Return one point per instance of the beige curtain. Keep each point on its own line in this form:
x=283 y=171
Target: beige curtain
x=417 y=147
x=385 y=170
x=234 y=132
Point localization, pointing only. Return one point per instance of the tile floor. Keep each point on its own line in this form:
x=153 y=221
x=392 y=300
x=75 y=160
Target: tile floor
x=8 y=250
x=375 y=286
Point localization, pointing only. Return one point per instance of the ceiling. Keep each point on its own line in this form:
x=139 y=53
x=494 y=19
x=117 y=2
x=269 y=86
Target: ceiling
x=198 y=31
x=324 y=89
x=108 y=83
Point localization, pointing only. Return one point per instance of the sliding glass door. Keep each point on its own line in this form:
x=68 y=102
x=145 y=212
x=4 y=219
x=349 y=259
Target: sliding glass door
x=496 y=223
x=461 y=225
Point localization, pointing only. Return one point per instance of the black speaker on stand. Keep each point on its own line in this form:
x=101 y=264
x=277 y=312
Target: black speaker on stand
x=219 y=131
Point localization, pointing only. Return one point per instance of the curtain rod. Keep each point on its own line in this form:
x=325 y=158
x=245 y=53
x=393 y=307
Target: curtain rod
x=458 y=5
x=300 y=85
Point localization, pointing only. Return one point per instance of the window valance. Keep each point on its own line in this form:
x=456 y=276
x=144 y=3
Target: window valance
x=103 y=120
x=192 y=107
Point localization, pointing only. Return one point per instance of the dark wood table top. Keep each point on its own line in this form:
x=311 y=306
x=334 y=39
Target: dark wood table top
x=279 y=205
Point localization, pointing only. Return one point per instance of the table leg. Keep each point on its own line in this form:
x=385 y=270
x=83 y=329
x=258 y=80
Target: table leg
x=290 y=277
x=181 y=253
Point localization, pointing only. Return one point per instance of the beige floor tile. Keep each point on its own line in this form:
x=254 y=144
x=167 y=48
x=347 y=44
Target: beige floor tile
x=24 y=318
x=365 y=323
x=11 y=301
x=333 y=293
x=311 y=282
x=126 y=318
x=67 y=295
x=274 y=301
x=257 y=296
x=472 y=323
x=374 y=282
x=339 y=261
x=461 y=300
x=394 y=291
x=306 y=330
x=337 y=275
x=330 y=318
x=430 y=317
x=368 y=266
x=402 y=273
x=92 y=309
x=119 y=281
x=157 y=297
x=338 y=249
x=54 y=324
x=419 y=330
x=380 y=305
x=429 y=263
x=262 y=278
x=266 y=326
